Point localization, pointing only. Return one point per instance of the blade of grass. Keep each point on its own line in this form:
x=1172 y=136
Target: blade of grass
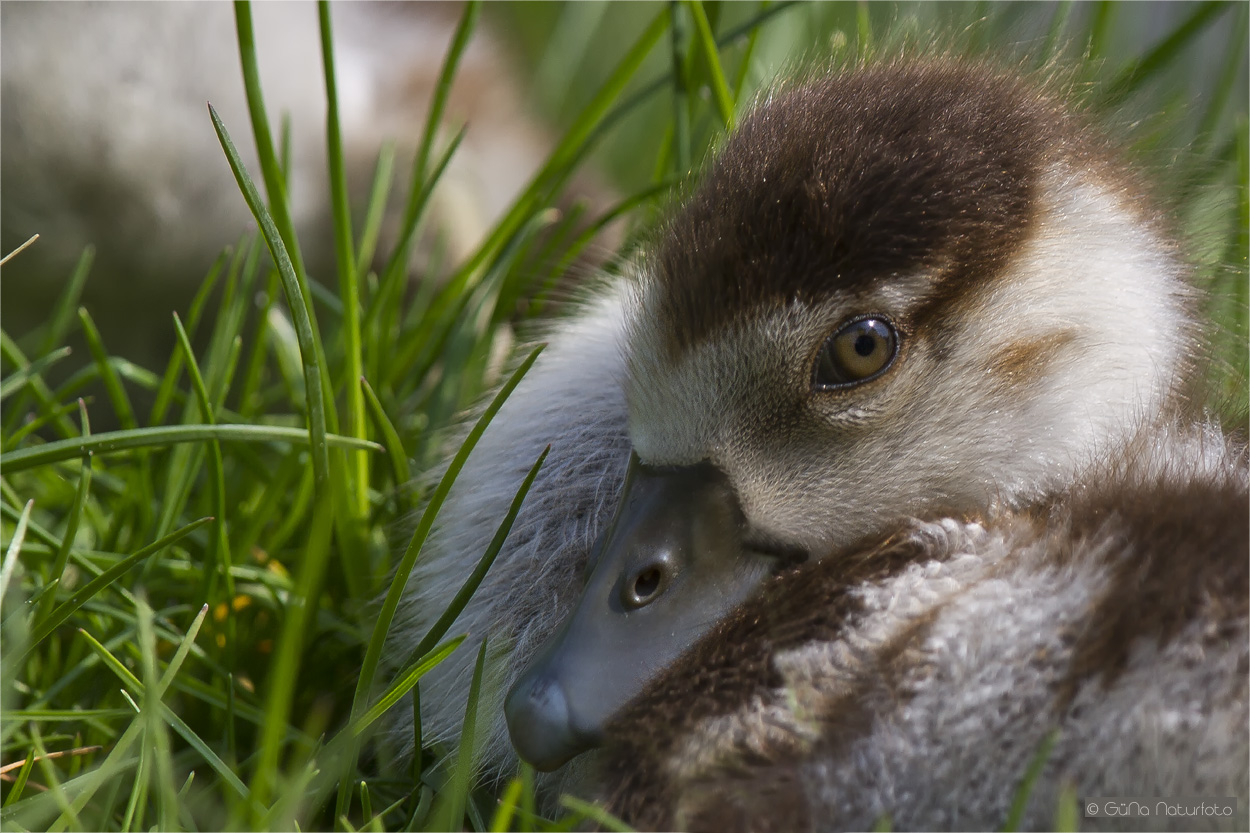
x=1222 y=94
x=1098 y=30
x=403 y=683
x=466 y=591
x=387 y=299
x=601 y=817
x=23 y=247
x=164 y=394
x=382 y=624
x=40 y=389
x=1020 y=800
x=574 y=249
x=464 y=292
x=112 y=384
x=433 y=120
x=528 y=811
x=679 y=37
x=379 y=192
x=1054 y=32
x=559 y=167
x=15 y=382
x=34 y=812
x=711 y=60
x=15 y=546
x=455 y=794
x=69 y=815
x=19 y=782
x=357 y=485
x=219 y=544
x=184 y=731
x=390 y=437
x=507 y=806
x=296 y=295
x=35 y=424
x=249 y=393
x=32 y=528
x=271 y=167
x=301 y=607
x=115 y=441
x=156 y=736
x=124 y=369
x=1132 y=77
x=744 y=66
x=393 y=277
x=71 y=522
x=1067 y=810
x=863 y=30
x=573 y=144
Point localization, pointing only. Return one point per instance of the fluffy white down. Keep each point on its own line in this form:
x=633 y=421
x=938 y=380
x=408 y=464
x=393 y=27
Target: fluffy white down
x=571 y=399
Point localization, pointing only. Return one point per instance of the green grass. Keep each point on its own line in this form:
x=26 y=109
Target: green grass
x=191 y=621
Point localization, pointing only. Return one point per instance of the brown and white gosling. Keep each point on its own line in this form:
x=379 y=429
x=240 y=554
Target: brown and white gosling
x=914 y=301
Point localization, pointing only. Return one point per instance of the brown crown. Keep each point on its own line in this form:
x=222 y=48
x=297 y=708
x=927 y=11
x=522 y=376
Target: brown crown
x=851 y=178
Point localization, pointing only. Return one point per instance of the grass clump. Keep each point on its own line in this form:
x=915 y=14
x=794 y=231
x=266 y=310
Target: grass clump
x=191 y=628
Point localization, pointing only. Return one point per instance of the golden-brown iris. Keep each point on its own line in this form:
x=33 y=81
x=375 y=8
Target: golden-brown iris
x=861 y=350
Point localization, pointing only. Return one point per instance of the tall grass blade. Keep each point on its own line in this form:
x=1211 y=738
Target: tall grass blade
x=71 y=523
x=379 y=191
x=466 y=591
x=176 y=723
x=297 y=301
x=15 y=546
x=15 y=382
x=47 y=400
x=390 y=437
x=1132 y=77
x=455 y=794
x=112 y=384
x=711 y=60
x=1020 y=801
x=357 y=486
x=282 y=677
x=112 y=442
x=601 y=817
x=403 y=684
x=271 y=167
x=19 y=781
x=63 y=315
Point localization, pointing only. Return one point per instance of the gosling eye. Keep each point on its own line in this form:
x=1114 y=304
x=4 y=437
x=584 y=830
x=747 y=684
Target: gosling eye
x=646 y=585
x=860 y=351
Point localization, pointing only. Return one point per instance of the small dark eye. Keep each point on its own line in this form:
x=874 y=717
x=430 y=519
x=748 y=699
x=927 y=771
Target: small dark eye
x=645 y=586
x=859 y=351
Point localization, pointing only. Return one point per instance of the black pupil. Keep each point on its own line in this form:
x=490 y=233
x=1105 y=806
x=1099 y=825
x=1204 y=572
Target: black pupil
x=865 y=344
x=646 y=584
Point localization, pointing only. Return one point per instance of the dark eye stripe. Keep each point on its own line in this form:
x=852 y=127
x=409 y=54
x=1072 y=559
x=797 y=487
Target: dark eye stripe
x=859 y=351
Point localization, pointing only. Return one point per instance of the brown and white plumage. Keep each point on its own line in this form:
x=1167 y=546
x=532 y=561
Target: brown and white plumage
x=918 y=677
x=1041 y=335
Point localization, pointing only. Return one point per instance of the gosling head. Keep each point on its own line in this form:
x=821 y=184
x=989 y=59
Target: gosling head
x=904 y=290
